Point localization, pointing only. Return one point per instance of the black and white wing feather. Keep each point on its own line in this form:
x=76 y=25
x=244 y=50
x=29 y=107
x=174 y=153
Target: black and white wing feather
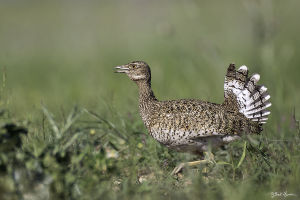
x=251 y=99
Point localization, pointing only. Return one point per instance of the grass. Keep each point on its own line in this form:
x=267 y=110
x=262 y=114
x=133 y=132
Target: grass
x=88 y=157
x=55 y=55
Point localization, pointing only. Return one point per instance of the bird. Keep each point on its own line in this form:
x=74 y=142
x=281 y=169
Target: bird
x=193 y=125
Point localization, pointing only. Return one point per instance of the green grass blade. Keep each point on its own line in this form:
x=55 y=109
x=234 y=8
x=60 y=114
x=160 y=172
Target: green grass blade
x=52 y=122
x=72 y=117
x=243 y=155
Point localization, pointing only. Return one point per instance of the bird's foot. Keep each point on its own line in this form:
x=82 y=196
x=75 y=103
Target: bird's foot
x=178 y=168
x=188 y=164
x=209 y=158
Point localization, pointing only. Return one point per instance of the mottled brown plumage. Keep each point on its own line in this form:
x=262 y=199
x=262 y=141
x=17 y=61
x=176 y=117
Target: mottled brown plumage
x=191 y=125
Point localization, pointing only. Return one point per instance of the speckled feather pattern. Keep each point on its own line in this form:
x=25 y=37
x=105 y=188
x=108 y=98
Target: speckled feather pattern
x=186 y=124
x=191 y=125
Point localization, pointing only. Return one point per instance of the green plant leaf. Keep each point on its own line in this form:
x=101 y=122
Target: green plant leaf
x=243 y=155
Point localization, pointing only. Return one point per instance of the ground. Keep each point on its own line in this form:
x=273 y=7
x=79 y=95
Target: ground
x=70 y=127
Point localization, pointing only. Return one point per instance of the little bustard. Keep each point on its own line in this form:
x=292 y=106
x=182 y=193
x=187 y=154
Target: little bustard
x=189 y=125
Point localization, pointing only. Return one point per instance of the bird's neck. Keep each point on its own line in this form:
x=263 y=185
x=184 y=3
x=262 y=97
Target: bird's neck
x=146 y=101
x=146 y=94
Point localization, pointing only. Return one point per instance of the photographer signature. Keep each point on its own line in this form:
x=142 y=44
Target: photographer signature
x=281 y=194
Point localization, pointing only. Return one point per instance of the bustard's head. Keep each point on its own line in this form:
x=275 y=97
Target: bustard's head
x=136 y=70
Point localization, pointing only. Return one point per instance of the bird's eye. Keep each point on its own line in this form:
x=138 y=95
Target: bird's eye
x=133 y=66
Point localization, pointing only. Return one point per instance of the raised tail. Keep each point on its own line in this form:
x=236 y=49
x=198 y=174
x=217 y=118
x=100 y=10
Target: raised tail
x=244 y=95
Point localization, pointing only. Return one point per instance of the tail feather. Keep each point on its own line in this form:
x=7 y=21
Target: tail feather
x=252 y=99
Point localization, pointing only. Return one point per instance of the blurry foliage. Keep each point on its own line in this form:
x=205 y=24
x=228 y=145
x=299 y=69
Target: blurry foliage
x=87 y=157
x=74 y=157
x=62 y=53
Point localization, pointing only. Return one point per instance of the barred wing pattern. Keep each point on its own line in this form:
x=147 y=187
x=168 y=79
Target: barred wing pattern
x=252 y=99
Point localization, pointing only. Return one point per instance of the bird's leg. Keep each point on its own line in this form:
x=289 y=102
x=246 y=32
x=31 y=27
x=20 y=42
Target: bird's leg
x=209 y=158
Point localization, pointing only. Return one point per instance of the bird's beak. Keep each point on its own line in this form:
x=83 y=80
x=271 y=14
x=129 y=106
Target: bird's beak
x=121 y=69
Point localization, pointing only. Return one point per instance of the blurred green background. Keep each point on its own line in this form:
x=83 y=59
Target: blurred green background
x=62 y=53
x=59 y=54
